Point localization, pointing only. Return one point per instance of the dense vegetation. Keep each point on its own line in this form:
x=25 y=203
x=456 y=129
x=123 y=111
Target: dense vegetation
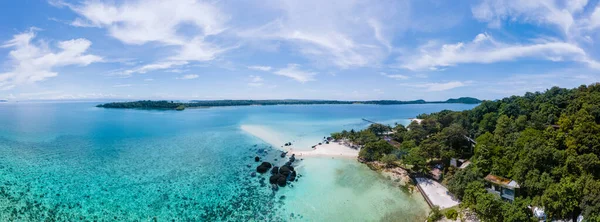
x=149 y=104
x=548 y=142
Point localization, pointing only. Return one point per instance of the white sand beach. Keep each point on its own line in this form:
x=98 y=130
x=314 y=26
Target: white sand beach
x=275 y=139
x=332 y=149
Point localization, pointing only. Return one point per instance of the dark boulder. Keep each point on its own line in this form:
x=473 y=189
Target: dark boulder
x=281 y=181
x=253 y=174
x=283 y=154
x=256 y=159
x=263 y=167
x=293 y=176
x=293 y=158
x=273 y=179
x=275 y=170
x=285 y=170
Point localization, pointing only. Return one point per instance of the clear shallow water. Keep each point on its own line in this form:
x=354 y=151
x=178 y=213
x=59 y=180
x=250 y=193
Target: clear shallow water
x=72 y=161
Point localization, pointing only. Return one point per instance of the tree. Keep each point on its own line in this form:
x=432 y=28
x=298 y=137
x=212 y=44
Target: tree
x=379 y=129
x=337 y=136
x=435 y=214
x=389 y=159
x=489 y=207
x=416 y=159
x=472 y=191
x=517 y=211
x=561 y=200
x=460 y=180
x=375 y=150
x=451 y=214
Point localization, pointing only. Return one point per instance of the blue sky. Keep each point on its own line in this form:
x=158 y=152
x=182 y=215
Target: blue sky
x=284 y=49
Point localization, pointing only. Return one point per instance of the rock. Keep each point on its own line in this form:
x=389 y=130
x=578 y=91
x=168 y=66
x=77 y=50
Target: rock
x=282 y=197
x=274 y=187
x=248 y=165
x=281 y=181
x=293 y=158
x=275 y=170
x=283 y=154
x=285 y=171
x=273 y=179
x=263 y=167
x=256 y=159
x=253 y=174
x=293 y=176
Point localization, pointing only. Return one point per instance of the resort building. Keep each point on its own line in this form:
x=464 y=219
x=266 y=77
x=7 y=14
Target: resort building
x=459 y=163
x=505 y=188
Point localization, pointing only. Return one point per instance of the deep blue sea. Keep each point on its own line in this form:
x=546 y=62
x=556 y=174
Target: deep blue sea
x=73 y=161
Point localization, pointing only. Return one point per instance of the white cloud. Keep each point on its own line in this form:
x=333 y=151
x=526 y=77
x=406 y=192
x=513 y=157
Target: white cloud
x=154 y=66
x=148 y=80
x=122 y=85
x=31 y=63
x=538 y=11
x=260 y=68
x=435 y=87
x=394 y=76
x=342 y=33
x=139 y=22
x=484 y=49
x=184 y=24
x=293 y=71
x=255 y=81
x=569 y=16
x=188 y=76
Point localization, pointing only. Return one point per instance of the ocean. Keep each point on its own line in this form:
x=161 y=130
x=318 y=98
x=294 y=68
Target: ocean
x=71 y=161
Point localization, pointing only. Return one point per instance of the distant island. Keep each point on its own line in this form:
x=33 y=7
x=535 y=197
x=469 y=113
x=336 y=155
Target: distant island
x=171 y=105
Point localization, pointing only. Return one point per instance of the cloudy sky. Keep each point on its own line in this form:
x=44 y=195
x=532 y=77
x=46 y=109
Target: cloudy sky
x=303 y=49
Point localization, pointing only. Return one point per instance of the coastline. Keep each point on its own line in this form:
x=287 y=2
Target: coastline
x=333 y=149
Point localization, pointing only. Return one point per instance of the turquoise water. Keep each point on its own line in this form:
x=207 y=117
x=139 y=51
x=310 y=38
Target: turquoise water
x=73 y=161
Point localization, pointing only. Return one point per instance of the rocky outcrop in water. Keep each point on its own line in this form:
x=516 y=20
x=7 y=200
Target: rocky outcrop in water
x=263 y=167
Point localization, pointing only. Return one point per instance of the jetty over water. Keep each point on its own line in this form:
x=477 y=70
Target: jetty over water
x=366 y=120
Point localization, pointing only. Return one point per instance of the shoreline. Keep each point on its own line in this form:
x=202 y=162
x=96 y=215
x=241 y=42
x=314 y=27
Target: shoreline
x=333 y=149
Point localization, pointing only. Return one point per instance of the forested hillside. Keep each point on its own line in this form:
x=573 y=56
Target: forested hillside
x=548 y=142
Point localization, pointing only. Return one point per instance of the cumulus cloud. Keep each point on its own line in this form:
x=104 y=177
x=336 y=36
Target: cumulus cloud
x=30 y=62
x=183 y=24
x=255 y=81
x=188 y=76
x=260 y=68
x=394 y=76
x=293 y=71
x=484 y=49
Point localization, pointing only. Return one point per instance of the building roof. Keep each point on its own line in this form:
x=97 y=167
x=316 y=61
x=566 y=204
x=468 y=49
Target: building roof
x=502 y=181
x=465 y=164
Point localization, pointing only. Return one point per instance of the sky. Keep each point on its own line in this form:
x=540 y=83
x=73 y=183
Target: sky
x=295 y=49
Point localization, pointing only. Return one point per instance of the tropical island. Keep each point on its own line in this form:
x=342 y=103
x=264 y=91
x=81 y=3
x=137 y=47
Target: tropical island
x=174 y=105
x=534 y=157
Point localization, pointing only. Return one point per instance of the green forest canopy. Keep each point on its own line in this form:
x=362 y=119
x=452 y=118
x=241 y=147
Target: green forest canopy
x=548 y=142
